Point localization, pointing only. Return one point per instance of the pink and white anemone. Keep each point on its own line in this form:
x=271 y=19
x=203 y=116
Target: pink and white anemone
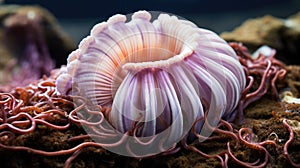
x=161 y=74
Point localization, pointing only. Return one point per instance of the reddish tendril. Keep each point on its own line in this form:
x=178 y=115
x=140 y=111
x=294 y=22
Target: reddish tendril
x=221 y=134
x=10 y=115
x=288 y=142
x=266 y=68
x=40 y=104
x=36 y=104
x=245 y=136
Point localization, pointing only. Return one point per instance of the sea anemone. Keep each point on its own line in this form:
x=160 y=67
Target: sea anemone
x=32 y=43
x=156 y=77
x=24 y=36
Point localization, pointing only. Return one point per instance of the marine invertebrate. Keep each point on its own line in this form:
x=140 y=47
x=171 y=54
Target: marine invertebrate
x=25 y=37
x=153 y=77
x=26 y=109
x=289 y=142
x=33 y=43
x=39 y=107
x=265 y=68
x=24 y=34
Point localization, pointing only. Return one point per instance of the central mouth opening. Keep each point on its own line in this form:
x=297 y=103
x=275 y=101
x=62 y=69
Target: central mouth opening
x=156 y=51
x=151 y=54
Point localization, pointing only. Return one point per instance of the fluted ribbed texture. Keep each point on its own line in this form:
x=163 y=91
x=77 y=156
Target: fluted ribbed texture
x=155 y=73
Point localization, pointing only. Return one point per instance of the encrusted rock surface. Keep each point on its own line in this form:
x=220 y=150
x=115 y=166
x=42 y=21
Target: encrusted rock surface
x=281 y=34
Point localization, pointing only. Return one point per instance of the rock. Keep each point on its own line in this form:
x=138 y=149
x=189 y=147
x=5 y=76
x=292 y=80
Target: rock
x=58 y=42
x=32 y=35
x=291 y=36
x=280 y=34
x=257 y=32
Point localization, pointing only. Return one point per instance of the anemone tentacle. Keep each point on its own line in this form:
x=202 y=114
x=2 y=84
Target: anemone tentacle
x=155 y=73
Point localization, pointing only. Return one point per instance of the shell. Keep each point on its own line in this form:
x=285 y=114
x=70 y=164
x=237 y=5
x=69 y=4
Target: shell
x=156 y=73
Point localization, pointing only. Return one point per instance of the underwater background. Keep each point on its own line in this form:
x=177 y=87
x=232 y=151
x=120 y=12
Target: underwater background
x=78 y=17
